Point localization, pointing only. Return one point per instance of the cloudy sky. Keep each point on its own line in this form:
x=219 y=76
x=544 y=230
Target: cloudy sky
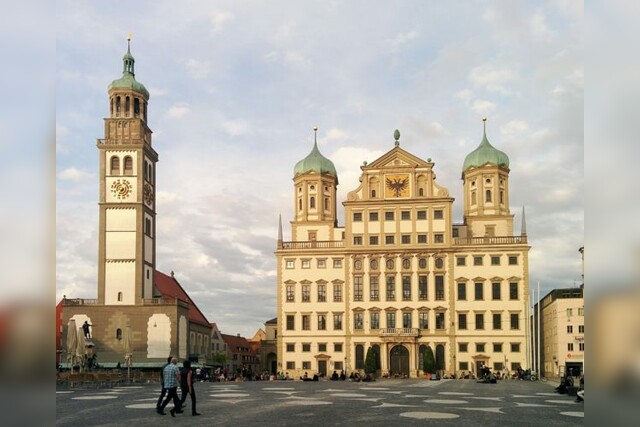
x=236 y=88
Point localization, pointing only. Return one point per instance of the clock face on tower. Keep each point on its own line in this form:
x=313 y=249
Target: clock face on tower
x=397 y=185
x=148 y=194
x=121 y=189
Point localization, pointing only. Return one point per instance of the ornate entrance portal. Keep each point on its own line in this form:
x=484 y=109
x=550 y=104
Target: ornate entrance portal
x=399 y=361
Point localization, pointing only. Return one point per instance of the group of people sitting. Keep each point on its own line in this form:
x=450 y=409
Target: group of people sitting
x=567 y=383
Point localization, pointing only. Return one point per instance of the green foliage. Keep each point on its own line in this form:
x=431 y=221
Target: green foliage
x=370 y=361
x=428 y=361
x=219 y=358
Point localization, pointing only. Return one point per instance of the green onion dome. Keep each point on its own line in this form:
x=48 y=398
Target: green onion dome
x=315 y=162
x=485 y=154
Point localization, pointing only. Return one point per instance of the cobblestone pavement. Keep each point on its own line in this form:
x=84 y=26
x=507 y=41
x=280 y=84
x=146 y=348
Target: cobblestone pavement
x=329 y=403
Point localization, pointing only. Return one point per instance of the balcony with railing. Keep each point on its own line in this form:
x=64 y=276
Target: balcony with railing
x=80 y=301
x=313 y=244
x=399 y=332
x=490 y=240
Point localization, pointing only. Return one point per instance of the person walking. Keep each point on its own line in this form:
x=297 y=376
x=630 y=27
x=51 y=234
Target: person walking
x=171 y=375
x=163 y=390
x=186 y=384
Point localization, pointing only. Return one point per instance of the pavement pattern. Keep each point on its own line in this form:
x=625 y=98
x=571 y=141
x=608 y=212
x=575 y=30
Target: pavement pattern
x=328 y=403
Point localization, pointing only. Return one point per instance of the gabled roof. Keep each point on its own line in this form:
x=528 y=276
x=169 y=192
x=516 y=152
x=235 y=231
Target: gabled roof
x=169 y=287
x=396 y=153
x=234 y=341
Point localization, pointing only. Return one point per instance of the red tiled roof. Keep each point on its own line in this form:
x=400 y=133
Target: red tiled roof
x=234 y=341
x=169 y=287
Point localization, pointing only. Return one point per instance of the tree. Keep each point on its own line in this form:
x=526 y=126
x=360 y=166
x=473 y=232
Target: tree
x=428 y=361
x=370 y=361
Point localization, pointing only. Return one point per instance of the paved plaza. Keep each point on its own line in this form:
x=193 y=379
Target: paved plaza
x=329 y=403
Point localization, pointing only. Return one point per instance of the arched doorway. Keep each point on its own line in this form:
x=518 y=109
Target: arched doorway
x=399 y=360
x=440 y=357
x=271 y=363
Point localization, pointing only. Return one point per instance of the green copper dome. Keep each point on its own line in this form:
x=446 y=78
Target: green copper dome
x=128 y=80
x=485 y=153
x=315 y=162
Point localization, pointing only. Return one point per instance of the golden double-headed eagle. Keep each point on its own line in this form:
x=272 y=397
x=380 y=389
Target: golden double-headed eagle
x=397 y=185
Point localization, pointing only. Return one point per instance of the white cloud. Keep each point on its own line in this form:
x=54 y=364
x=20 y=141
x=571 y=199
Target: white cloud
x=482 y=106
x=235 y=127
x=197 y=69
x=177 y=111
x=539 y=28
x=61 y=131
x=465 y=95
x=335 y=134
x=156 y=91
x=296 y=59
x=219 y=19
x=514 y=128
x=74 y=175
x=401 y=39
x=492 y=78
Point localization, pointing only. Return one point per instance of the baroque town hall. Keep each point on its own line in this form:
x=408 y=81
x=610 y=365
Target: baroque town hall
x=401 y=275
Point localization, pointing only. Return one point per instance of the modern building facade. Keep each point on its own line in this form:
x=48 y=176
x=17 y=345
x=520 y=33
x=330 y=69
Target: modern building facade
x=401 y=274
x=135 y=303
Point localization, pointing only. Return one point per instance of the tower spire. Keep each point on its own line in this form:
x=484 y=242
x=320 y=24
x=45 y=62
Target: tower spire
x=523 y=230
x=280 y=231
x=315 y=136
x=128 y=60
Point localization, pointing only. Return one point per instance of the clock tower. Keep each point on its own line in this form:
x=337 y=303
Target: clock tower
x=126 y=238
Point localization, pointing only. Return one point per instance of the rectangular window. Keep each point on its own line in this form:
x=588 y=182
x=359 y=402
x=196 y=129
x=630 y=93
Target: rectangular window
x=337 y=347
x=338 y=366
x=514 y=321
x=322 y=347
x=358 y=320
x=337 y=322
x=337 y=263
x=306 y=365
x=406 y=239
x=569 y=312
x=388 y=216
x=357 y=240
x=495 y=291
x=406 y=288
x=438 y=238
x=337 y=293
x=391 y=288
x=461 y=261
x=581 y=346
x=422 y=288
x=306 y=263
x=439 y=287
x=322 y=263
x=291 y=324
x=497 y=320
x=462 y=291
x=291 y=365
x=290 y=264
x=570 y=346
x=405 y=215
x=480 y=347
x=423 y=320
x=480 y=321
x=322 y=322
x=291 y=293
x=291 y=347
x=422 y=214
x=463 y=347
x=306 y=293
x=515 y=347
x=498 y=366
x=455 y=232
x=513 y=291
x=569 y=329
x=581 y=311
x=306 y=347
x=515 y=366
x=406 y=319
x=373 y=216
x=306 y=322
x=495 y=260
x=422 y=238
x=477 y=260
x=581 y=329
x=479 y=291
x=391 y=319
x=462 y=321
x=373 y=240
x=374 y=288
x=322 y=293
x=374 y=318
x=389 y=239
x=438 y=214
x=463 y=366
x=440 y=320
x=513 y=260
x=357 y=288
x=497 y=347
x=357 y=216
x=147 y=226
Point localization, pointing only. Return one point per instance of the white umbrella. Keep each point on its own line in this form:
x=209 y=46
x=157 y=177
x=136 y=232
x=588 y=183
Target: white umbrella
x=128 y=351
x=72 y=342
x=80 y=348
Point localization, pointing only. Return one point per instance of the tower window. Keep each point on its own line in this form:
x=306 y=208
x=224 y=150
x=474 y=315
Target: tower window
x=501 y=197
x=373 y=194
x=312 y=202
x=119 y=296
x=115 y=165
x=128 y=166
x=118 y=334
x=127 y=105
x=421 y=191
x=117 y=106
x=136 y=107
x=473 y=198
x=487 y=196
x=111 y=107
x=299 y=204
x=147 y=226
